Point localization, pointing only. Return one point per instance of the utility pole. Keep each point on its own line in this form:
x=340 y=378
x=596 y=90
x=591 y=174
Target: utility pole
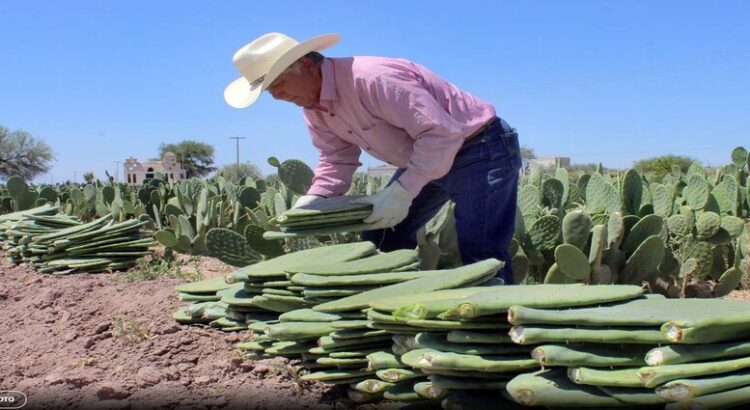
x=238 y=147
x=117 y=170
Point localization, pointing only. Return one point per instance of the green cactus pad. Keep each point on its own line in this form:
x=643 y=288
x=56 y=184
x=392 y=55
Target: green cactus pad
x=552 y=193
x=728 y=282
x=593 y=355
x=733 y=225
x=212 y=285
x=678 y=225
x=166 y=237
x=683 y=389
x=430 y=359
x=681 y=354
x=739 y=157
x=276 y=267
x=249 y=197
x=230 y=247
x=707 y=225
x=296 y=175
x=445 y=279
x=572 y=262
x=647 y=226
x=654 y=376
x=553 y=389
x=661 y=199
x=598 y=244
x=438 y=342
x=536 y=334
x=543 y=234
x=297 y=331
x=644 y=261
x=696 y=192
x=381 y=262
x=255 y=240
x=702 y=254
x=600 y=377
x=727 y=195
x=575 y=228
x=632 y=192
x=615 y=229
x=497 y=300
x=529 y=200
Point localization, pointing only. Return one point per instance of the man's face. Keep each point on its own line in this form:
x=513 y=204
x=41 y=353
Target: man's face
x=301 y=87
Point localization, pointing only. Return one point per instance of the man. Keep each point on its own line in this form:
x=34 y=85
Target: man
x=446 y=143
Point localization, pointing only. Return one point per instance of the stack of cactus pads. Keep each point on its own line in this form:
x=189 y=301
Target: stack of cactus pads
x=325 y=216
x=54 y=242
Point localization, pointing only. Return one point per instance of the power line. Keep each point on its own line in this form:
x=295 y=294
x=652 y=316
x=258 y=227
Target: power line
x=117 y=170
x=238 y=147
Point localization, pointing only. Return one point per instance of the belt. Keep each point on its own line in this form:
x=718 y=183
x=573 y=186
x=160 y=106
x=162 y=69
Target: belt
x=481 y=129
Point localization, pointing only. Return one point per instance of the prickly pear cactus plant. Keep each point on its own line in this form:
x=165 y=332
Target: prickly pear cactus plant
x=682 y=233
x=230 y=247
x=22 y=196
x=294 y=174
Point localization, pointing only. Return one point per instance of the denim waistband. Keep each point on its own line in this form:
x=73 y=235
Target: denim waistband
x=499 y=124
x=497 y=127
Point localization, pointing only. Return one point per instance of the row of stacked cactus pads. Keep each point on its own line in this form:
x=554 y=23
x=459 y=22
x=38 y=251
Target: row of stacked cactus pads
x=683 y=233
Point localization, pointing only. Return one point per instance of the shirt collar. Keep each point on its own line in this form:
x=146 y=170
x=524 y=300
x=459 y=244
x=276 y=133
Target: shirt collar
x=328 y=85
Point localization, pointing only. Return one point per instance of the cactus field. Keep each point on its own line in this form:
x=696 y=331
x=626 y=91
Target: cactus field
x=630 y=292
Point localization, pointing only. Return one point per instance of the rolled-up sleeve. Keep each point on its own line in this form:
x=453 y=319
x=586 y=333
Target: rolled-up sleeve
x=402 y=101
x=337 y=162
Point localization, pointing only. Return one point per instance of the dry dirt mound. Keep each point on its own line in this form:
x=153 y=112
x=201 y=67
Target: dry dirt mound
x=64 y=346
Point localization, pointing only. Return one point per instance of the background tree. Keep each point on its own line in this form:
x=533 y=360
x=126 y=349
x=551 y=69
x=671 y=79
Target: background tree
x=585 y=168
x=23 y=154
x=527 y=153
x=197 y=158
x=235 y=172
x=662 y=165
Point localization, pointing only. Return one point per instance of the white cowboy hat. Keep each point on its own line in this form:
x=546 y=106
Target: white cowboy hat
x=262 y=60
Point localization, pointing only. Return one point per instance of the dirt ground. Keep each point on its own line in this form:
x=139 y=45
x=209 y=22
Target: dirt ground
x=743 y=295
x=63 y=347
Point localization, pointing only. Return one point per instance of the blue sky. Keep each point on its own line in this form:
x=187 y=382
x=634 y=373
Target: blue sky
x=608 y=81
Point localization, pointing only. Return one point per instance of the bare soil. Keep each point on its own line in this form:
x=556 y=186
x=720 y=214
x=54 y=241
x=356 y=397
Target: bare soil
x=63 y=346
x=743 y=295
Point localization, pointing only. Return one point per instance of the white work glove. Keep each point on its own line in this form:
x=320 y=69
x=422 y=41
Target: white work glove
x=306 y=200
x=389 y=206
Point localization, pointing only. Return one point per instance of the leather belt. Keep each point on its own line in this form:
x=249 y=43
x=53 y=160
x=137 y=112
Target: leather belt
x=481 y=129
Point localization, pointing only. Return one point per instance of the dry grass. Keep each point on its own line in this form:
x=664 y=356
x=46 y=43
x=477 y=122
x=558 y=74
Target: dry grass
x=85 y=361
x=129 y=329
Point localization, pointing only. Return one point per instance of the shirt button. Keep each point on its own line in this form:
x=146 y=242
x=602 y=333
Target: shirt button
x=333 y=115
x=350 y=131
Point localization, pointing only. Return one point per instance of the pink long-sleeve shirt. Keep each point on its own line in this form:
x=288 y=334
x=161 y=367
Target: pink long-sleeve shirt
x=399 y=111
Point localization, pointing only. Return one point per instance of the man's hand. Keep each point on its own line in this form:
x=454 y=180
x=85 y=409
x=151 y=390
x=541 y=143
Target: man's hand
x=389 y=206
x=306 y=200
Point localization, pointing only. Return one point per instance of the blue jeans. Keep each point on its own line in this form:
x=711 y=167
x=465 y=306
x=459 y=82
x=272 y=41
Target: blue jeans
x=483 y=183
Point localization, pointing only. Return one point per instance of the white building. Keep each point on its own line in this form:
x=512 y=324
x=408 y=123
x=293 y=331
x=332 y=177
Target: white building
x=381 y=170
x=136 y=172
x=551 y=162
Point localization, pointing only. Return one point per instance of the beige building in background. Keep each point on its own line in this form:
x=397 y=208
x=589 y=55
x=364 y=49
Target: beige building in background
x=550 y=162
x=381 y=170
x=136 y=172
